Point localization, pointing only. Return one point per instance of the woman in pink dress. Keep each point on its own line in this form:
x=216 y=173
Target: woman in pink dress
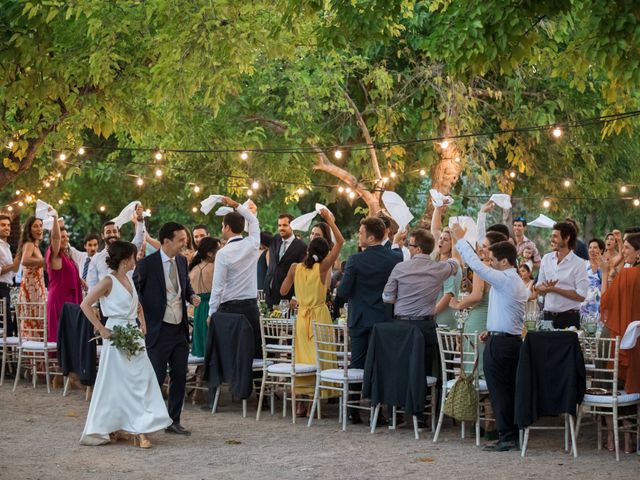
x=64 y=278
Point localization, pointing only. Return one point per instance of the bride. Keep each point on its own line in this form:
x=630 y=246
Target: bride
x=126 y=396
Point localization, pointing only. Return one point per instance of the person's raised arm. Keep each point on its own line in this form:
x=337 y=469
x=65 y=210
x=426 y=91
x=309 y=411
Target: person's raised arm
x=333 y=255
x=477 y=291
x=436 y=223
x=494 y=277
x=100 y=290
x=287 y=283
x=390 y=292
x=152 y=241
x=140 y=230
x=482 y=220
x=56 y=239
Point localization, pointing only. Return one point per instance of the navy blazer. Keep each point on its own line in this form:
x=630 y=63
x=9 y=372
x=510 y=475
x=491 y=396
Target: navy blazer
x=365 y=277
x=152 y=292
x=278 y=268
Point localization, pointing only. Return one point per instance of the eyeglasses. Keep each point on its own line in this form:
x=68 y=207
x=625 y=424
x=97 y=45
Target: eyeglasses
x=413 y=245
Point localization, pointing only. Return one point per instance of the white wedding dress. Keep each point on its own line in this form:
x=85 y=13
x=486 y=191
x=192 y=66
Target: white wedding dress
x=126 y=395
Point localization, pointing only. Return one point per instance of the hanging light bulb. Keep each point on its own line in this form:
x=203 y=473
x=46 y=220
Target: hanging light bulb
x=444 y=144
x=196 y=188
x=249 y=192
x=20 y=203
x=58 y=174
x=557 y=132
x=139 y=182
x=62 y=156
x=337 y=154
x=17 y=192
x=340 y=189
x=423 y=172
x=60 y=202
x=29 y=198
x=255 y=185
x=566 y=183
x=102 y=208
x=158 y=173
x=546 y=203
x=81 y=151
x=300 y=191
x=636 y=202
x=623 y=189
x=393 y=174
x=10 y=145
x=457 y=159
x=385 y=179
x=352 y=195
x=47 y=183
x=194 y=209
x=158 y=155
x=348 y=189
x=512 y=174
x=244 y=155
x=10 y=208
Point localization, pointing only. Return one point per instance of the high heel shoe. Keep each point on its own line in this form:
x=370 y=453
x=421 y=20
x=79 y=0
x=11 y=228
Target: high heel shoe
x=141 y=441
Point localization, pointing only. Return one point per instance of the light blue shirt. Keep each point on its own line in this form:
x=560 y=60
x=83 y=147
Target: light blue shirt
x=507 y=297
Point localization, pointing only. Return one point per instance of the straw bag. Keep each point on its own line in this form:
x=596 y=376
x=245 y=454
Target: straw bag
x=462 y=400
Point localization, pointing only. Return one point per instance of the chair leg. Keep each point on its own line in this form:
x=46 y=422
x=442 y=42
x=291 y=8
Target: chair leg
x=65 y=390
x=34 y=372
x=415 y=427
x=462 y=429
x=524 y=442
x=574 y=445
x=578 y=420
x=314 y=404
x=433 y=409
x=566 y=432
x=616 y=432
x=87 y=394
x=343 y=405
x=17 y=379
x=244 y=408
x=4 y=363
x=272 y=402
x=374 y=420
x=293 y=402
x=441 y=416
x=261 y=397
x=393 y=418
x=214 y=407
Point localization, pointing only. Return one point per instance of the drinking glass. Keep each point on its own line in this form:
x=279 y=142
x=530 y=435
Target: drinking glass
x=283 y=306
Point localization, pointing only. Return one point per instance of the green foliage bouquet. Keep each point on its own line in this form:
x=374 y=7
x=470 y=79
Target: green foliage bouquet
x=127 y=339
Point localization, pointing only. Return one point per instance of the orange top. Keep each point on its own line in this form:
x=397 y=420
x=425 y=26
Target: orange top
x=619 y=306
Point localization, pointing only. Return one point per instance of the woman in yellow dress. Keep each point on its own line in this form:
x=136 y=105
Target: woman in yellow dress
x=309 y=279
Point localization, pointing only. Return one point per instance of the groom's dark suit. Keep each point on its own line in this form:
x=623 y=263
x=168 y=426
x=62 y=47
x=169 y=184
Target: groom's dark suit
x=166 y=343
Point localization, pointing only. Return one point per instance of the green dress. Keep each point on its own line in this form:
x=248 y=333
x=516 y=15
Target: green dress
x=451 y=285
x=477 y=323
x=200 y=315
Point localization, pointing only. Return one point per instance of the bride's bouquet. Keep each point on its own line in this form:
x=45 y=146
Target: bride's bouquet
x=127 y=339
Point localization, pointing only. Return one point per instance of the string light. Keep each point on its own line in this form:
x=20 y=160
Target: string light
x=352 y=195
x=512 y=174
x=62 y=156
x=20 y=203
x=444 y=144
x=148 y=211
x=393 y=174
x=546 y=203
x=623 y=189
x=60 y=202
x=17 y=192
x=636 y=202
x=194 y=209
x=300 y=191
x=250 y=192
x=255 y=185
x=385 y=179
x=557 y=132
x=10 y=208
x=158 y=155
x=457 y=159
x=244 y=155
x=10 y=145
x=348 y=189
x=340 y=189
x=29 y=198
x=158 y=173
x=47 y=184
x=196 y=188
x=139 y=182
x=423 y=172
x=567 y=183
x=337 y=154
x=102 y=208
x=81 y=151
x=58 y=174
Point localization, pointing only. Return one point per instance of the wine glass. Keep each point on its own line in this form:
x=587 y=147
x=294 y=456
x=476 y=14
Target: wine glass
x=283 y=306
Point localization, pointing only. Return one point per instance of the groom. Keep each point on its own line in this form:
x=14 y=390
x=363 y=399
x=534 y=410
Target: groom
x=164 y=289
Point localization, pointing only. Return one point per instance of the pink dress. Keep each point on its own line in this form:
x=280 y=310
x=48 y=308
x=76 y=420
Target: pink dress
x=64 y=286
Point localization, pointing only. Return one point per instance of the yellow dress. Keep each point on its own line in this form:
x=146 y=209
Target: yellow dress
x=311 y=293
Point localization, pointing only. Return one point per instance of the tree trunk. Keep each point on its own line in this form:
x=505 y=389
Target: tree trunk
x=444 y=176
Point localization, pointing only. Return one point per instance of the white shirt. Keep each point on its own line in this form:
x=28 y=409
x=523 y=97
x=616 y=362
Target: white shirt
x=235 y=274
x=507 y=297
x=6 y=259
x=98 y=267
x=571 y=275
x=78 y=258
x=286 y=243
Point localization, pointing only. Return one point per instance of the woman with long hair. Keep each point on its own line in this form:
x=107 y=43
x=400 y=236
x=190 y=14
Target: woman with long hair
x=32 y=288
x=309 y=279
x=201 y=277
x=591 y=304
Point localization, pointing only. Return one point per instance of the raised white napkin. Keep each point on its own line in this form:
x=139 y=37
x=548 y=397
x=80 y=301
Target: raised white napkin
x=438 y=199
x=630 y=336
x=397 y=208
x=127 y=212
x=45 y=212
x=502 y=200
x=304 y=221
x=469 y=225
x=542 y=221
x=208 y=203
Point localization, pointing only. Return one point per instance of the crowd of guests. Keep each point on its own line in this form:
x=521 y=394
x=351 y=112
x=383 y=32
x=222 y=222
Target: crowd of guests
x=422 y=276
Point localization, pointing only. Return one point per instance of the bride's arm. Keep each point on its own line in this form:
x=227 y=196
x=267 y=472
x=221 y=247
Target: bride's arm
x=100 y=290
x=143 y=323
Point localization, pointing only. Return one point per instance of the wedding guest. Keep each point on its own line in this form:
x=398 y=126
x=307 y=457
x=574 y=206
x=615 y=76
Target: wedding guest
x=365 y=276
x=532 y=303
x=522 y=242
x=235 y=286
x=263 y=258
x=413 y=287
x=32 y=288
x=505 y=319
x=64 y=279
x=8 y=267
x=126 y=396
x=591 y=304
x=311 y=279
x=285 y=250
x=580 y=248
x=189 y=250
x=201 y=278
x=323 y=230
x=164 y=288
x=562 y=279
x=199 y=232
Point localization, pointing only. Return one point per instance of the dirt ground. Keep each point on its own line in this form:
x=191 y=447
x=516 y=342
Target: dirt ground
x=40 y=434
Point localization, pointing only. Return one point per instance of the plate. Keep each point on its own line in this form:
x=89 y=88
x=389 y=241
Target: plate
x=597 y=391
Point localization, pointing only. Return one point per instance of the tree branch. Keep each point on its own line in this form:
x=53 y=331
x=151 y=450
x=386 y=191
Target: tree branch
x=373 y=156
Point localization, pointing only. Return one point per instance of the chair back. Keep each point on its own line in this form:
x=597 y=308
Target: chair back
x=457 y=351
x=261 y=296
x=588 y=346
x=278 y=339
x=32 y=321
x=4 y=319
x=331 y=346
x=606 y=358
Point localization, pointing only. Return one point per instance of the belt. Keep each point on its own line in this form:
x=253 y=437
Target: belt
x=231 y=303
x=559 y=314
x=503 y=334
x=5 y=285
x=414 y=318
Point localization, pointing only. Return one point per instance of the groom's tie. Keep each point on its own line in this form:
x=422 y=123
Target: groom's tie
x=173 y=274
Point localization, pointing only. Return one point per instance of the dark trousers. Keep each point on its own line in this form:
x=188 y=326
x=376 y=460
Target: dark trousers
x=570 y=318
x=251 y=311
x=359 y=348
x=500 y=364
x=431 y=352
x=12 y=328
x=172 y=347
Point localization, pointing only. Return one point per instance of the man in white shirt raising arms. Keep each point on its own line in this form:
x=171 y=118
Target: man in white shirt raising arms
x=563 y=278
x=235 y=274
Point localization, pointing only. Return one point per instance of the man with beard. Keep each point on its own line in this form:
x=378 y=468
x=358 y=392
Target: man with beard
x=8 y=266
x=562 y=279
x=199 y=232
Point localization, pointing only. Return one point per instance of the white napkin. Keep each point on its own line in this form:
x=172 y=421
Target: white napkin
x=127 y=212
x=502 y=200
x=303 y=222
x=222 y=211
x=438 y=199
x=208 y=203
x=630 y=336
x=43 y=213
x=542 y=221
x=397 y=208
x=469 y=225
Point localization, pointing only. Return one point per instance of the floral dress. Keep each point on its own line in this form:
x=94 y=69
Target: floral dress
x=591 y=304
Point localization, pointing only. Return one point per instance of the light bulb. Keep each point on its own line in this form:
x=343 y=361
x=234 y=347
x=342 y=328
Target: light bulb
x=337 y=154
x=393 y=174
x=17 y=192
x=196 y=188
x=557 y=132
x=29 y=198
x=385 y=179
x=457 y=159
x=158 y=173
x=567 y=183
x=60 y=202
x=546 y=204
x=158 y=156
x=300 y=191
x=102 y=208
x=444 y=144
x=249 y=192
x=255 y=185
x=139 y=182
x=348 y=189
x=47 y=184
x=623 y=189
x=10 y=208
x=423 y=172
x=352 y=195
x=340 y=189
x=512 y=174
x=244 y=155
x=62 y=156
x=636 y=202
x=10 y=145
x=194 y=209
x=81 y=151
x=20 y=203
x=58 y=174
x=148 y=211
